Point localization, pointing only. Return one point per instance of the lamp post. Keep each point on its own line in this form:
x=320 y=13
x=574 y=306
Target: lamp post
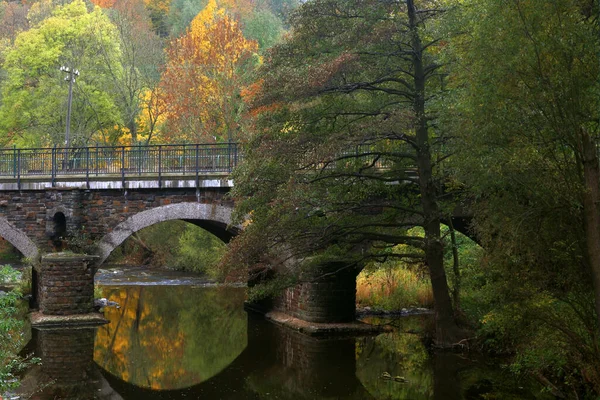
x=71 y=74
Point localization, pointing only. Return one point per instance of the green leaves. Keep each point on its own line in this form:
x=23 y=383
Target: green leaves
x=329 y=169
x=525 y=87
x=34 y=94
x=12 y=337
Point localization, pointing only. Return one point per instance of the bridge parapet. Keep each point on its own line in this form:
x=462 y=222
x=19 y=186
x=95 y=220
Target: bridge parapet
x=120 y=167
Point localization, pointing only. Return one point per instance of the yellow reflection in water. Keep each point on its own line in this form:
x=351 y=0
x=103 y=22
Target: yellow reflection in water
x=171 y=337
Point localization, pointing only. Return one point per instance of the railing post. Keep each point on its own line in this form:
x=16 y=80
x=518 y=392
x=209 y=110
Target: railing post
x=87 y=167
x=197 y=167
x=53 y=166
x=159 y=166
x=14 y=161
x=19 y=169
x=139 y=159
x=183 y=158
x=229 y=155
x=97 y=162
x=123 y=167
x=235 y=158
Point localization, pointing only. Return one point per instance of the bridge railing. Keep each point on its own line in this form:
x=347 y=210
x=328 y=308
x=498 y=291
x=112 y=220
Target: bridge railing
x=181 y=159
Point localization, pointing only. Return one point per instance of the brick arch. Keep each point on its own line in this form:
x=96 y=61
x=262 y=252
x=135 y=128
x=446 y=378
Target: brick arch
x=214 y=218
x=18 y=239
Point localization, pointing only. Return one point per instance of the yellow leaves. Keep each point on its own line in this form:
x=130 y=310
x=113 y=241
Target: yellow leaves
x=204 y=19
x=202 y=76
x=487 y=318
x=158 y=5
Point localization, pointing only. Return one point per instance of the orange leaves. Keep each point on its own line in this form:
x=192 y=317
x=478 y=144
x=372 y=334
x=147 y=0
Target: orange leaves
x=104 y=3
x=321 y=74
x=201 y=84
x=250 y=92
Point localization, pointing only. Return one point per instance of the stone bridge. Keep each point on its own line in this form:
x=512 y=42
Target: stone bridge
x=55 y=199
x=90 y=200
x=43 y=221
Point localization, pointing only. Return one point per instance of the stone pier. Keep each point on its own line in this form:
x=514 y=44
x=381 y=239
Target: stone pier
x=65 y=290
x=323 y=303
x=326 y=294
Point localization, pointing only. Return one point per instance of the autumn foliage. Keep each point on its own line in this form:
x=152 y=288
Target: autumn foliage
x=203 y=78
x=104 y=3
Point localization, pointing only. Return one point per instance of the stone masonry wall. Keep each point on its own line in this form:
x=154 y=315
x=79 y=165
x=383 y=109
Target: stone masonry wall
x=66 y=284
x=328 y=298
x=90 y=212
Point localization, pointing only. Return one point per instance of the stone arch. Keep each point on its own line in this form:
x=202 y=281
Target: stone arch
x=18 y=239
x=212 y=217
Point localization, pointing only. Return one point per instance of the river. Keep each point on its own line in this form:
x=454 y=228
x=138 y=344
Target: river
x=175 y=337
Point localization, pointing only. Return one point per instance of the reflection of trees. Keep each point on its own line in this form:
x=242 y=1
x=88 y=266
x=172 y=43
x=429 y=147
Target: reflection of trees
x=168 y=337
x=398 y=354
x=429 y=375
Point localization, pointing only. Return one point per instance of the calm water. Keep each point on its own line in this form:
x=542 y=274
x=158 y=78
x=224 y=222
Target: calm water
x=190 y=341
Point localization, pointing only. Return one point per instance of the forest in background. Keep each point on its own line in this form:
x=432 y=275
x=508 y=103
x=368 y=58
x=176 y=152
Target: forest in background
x=150 y=71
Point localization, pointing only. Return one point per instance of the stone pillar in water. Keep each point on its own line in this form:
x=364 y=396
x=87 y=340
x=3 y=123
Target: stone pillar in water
x=66 y=284
x=327 y=295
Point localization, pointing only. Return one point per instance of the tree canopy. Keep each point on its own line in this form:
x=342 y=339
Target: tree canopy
x=119 y=49
x=202 y=81
x=343 y=158
x=525 y=103
x=34 y=95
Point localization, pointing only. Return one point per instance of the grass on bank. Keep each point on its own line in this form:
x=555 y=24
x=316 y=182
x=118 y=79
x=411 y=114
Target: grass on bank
x=390 y=288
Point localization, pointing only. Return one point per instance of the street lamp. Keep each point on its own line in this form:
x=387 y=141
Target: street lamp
x=71 y=74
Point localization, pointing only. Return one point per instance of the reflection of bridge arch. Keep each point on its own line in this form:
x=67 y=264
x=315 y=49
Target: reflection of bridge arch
x=304 y=367
x=18 y=239
x=214 y=218
x=229 y=381
x=312 y=364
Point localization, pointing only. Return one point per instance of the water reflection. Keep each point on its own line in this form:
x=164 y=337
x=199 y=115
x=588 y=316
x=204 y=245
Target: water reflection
x=198 y=343
x=422 y=374
x=68 y=370
x=304 y=367
x=403 y=356
x=171 y=337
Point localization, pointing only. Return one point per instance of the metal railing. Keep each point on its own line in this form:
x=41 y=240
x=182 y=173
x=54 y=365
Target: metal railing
x=155 y=162
x=123 y=161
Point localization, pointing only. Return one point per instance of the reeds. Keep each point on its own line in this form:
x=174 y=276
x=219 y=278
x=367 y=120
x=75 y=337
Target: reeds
x=393 y=289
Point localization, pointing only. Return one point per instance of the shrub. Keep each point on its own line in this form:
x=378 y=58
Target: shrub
x=12 y=336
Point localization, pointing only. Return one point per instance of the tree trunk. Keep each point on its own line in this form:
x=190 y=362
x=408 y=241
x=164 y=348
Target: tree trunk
x=447 y=331
x=132 y=125
x=591 y=212
x=455 y=266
